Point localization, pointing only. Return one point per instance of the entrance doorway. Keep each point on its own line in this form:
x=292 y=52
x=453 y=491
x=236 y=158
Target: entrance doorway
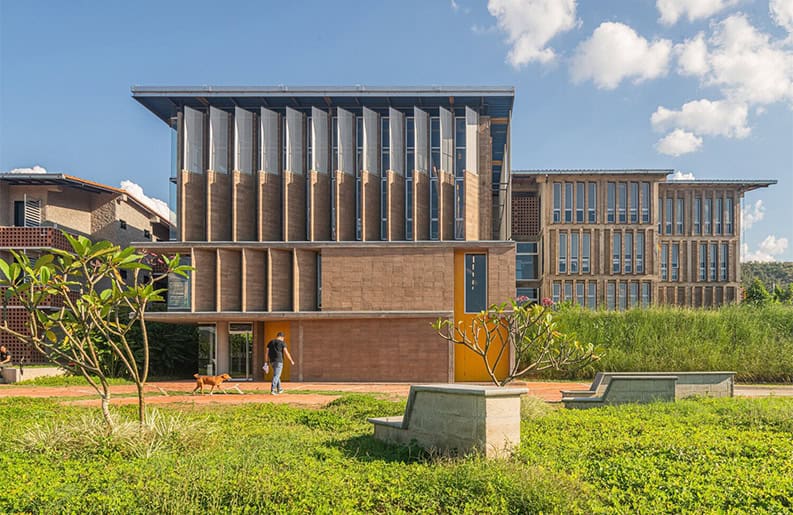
x=207 y=350
x=241 y=352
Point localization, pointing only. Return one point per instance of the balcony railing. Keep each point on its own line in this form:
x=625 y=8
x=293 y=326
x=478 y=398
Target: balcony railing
x=32 y=237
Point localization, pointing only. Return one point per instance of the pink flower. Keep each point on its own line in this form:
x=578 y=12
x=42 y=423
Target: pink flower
x=547 y=302
x=521 y=299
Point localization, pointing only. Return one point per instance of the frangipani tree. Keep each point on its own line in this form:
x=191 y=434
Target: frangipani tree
x=83 y=304
x=526 y=336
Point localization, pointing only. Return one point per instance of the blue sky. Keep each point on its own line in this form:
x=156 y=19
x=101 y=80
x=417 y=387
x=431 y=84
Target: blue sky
x=701 y=86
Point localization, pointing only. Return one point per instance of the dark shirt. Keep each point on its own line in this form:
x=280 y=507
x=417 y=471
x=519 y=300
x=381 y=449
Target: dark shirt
x=275 y=351
x=3 y=356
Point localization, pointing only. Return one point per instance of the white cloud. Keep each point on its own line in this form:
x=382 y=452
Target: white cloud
x=530 y=25
x=752 y=213
x=692 y=56
x=767 y=251
x=673 y=10
x=676 y=143
x=681 y=176
x=615 y=52
x=155 y=204
x=34 y=169
x=782 y=13
x=705 y=117
x=747 y=65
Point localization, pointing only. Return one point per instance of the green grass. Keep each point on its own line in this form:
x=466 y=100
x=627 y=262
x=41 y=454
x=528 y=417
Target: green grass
x=757 y=343
x=68 y=380
x=691 y=456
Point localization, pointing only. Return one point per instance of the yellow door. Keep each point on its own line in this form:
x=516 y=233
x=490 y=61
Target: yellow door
x=271 y=329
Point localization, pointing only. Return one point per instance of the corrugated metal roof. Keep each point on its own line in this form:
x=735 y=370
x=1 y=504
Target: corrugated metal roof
x=761 y=182
x=595 y=171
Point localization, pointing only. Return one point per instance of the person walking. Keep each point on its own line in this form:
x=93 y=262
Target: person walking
x=276 y=350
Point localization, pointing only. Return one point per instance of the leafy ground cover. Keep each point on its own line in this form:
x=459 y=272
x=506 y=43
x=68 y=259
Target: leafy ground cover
x=67 y=380
x=701 y=455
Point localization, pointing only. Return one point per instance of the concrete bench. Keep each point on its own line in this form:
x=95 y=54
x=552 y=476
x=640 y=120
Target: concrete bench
x=627 y=389
x=687 y=384
x=456 y=419
x=12 y=375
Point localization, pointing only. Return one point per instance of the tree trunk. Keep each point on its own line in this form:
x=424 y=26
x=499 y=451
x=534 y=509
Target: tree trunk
x=106 y=410
x=141 y=405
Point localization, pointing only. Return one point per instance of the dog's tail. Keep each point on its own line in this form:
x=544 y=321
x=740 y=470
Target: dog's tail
x=196 y=376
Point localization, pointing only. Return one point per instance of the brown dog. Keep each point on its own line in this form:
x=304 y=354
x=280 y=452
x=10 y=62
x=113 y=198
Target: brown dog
x=212 y=381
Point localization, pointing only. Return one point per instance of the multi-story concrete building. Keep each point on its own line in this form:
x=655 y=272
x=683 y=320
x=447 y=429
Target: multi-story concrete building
x=351 y=218
x=35 y=208
x=627 y=238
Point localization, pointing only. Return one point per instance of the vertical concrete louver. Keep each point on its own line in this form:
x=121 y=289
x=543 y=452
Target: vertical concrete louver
x=294 y=205
x=370 y=176
x=471 y=174
x=345 y=178
x=269 y=181
x=319 y=222
x=192 y=182
x=446 y=186
x=421 y=197
x=243 y=193
x=396 y=175
x=218 y=200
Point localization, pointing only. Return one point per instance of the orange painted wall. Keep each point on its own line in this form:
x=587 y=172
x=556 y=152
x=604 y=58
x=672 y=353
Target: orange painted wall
x=469 y=366
x=271 y=329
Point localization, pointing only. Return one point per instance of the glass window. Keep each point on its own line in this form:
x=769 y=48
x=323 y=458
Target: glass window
x=610 y=202
x=703 y=260
x=708 y=214
x=410 y=163
x=568 y=291
x=335 y=158
x=579 y=293
x=592 y=295
x=568 y=202
x=557 y=292
x=527 y=261
x=697 y=215
x=634 y=203
x=668 y=216
x=640 y=252
x=713 y=256
x=723 y=263
x=665 y=262
x=385 y=165
x=645 y=295
x=645 y=200
x=562 y=253
x=718 y=213
x=459 y=146
x=358 y=179
x=533 y=294
x=579 y=202
x=585 y=252
x=435 y=143
x=623 y=295
x=459 y=178
x=574 y=253
x=634 y=294
x=309 y=149
x=434 y=224
x=622 y=190
x=610 y=296
x=557 y=202
x=475 y=283
x=679 y=216
x=729 y=217
x=628 y=254
x=675 y=261
x=660 y=215
x=592 y=202
x=616 y=252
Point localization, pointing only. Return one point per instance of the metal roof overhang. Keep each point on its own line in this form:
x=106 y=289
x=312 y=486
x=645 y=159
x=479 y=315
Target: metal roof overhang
x=50 y=179
x=493 y=101
x=743 y=185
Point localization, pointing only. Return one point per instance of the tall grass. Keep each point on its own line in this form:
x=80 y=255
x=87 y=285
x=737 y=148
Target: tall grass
x=755 y=342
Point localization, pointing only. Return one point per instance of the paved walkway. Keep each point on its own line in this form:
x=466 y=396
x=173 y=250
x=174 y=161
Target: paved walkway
x=304 y=394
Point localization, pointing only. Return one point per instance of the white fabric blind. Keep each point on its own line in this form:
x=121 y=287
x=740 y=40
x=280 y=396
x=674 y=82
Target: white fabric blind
x=471 y=140
x=218 y=140
x=396 y=134
x=294 y=141
x=346 y=142
x=268 y=141
x=193 y=140
x=243 y=140
x=447 y=141
x=422 y=120
x=371 y=146
x=319 y=140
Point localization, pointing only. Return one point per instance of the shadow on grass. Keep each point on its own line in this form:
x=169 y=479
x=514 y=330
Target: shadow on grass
x=367 y=449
